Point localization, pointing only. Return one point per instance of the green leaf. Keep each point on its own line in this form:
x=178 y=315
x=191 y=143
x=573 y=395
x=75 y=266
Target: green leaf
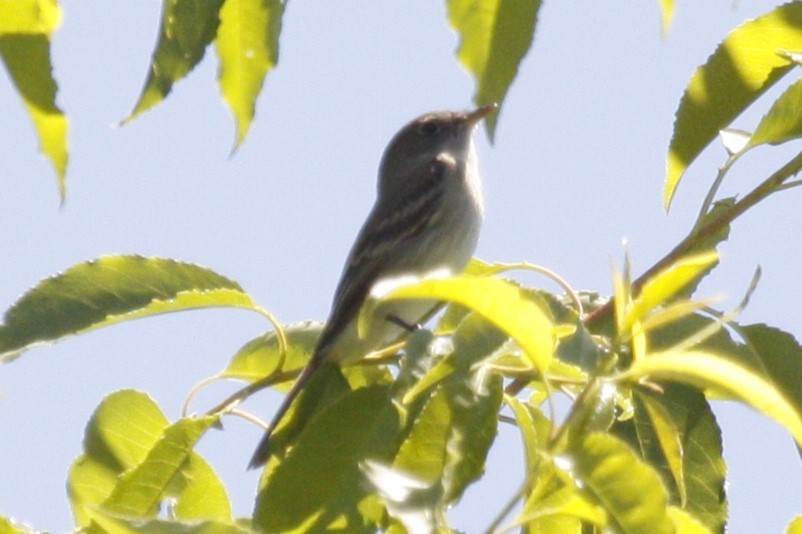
x=743 y=67
x=548 y=507
x=423 y=452
x=517 y=312
x=711 y=239
x=478 y=267
x=780 y=359
x=795 y=526
x=199 y=492
x=664 y=337
x=783 y=122
x=139 y=491
x=494 y=38
x=110 y=524
x=320 y=481
x=535 y=429
x=29 y=16
x=26 y=27
x=578 y=349
x=247 y=45
x=187 y=27
x=475 y=402
x=124 y=427
x=666 y=15
x=667 y=438
x=685 y=523
x=628 y=488
x=592 y=411
x=474 y=339
x=327 y=385
x=411 y=504
x=133 y=459
x=262 y=357
x=109 y=290
x=8 y=527
x=660 y=289
x=678 y=434
x=564 y=508
x=452 y=423
x=710 y=371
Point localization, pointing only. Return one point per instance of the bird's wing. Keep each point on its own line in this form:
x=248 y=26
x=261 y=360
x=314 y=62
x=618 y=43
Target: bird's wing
x=378 y=250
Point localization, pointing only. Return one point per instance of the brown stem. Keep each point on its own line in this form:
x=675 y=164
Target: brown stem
x=711 y=228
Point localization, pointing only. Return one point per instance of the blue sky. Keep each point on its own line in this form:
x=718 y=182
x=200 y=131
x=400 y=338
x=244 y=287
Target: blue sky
x=576 y=168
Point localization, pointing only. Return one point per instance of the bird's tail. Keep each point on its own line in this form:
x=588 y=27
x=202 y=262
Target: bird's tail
x=262 y=452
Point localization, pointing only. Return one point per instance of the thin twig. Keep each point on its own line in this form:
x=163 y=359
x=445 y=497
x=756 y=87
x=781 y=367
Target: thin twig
x=234 y=399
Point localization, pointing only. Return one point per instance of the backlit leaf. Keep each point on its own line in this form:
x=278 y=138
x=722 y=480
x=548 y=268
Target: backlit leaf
x=743 y=67
x=783 y=122
x=779 y=359
x=133 y=459
x=320 y=480
x=678 y=434
x=709 y=371
x=247 y=45
x=627 y=487
x=187 y=28
x=520 y=314
x=109 y=290
x=494 y=38
x=26 y=27
x=138 y=492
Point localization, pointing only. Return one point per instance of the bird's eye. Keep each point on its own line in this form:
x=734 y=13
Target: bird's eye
x=429 y=128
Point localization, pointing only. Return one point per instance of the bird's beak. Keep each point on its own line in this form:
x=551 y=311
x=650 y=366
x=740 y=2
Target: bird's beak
x=475 y=116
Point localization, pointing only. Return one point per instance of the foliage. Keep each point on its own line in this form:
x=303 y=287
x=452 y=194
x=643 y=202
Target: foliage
x=396 y=441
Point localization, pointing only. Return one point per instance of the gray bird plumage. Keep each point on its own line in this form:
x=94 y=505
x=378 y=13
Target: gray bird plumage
x=427 y=216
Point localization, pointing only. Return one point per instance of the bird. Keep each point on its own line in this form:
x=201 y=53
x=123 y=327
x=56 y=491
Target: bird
x=427 y=217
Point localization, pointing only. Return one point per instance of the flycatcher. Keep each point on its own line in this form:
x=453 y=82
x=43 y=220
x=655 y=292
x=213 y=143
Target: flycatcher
x=427 y=216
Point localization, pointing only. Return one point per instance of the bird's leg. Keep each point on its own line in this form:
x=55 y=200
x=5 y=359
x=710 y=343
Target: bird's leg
x=396 y=320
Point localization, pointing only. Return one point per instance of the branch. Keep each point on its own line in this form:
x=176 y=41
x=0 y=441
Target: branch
x=771 y=185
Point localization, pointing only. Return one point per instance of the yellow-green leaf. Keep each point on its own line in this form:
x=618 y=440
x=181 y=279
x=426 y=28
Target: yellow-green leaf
x=744 y=66
x=627 y=487
x=710 y=371
x=513 y=310
x=666 y=15
x=247 y=45
x=670 y=442
x=139 y=491
x=25 y=30
x=535 y=429
x=29 y=16
x=187 y=27
x=795 y=527
x=133 y=458
x=494 y=38
x=320 y=480
x=779 y=356
x=111 y=523
x=783 y=122
x=262 y=356
x=686 y=523
x=565 y=503
x=8 y=527
x=109 y=290
x=658 y=290
x=423 y=452
x=680 y=438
